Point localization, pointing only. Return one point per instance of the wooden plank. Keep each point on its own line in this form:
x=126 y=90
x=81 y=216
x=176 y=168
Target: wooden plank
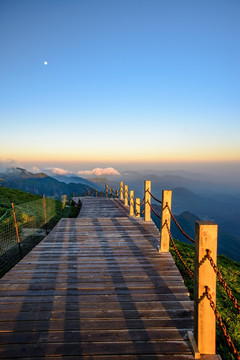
x=86 y=324
x=71 y=314
x=82 y=306
x=120 y=357
x=99 y=348
x=93 y=335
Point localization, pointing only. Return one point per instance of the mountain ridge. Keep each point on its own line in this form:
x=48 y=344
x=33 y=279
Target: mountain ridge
x=40 y=183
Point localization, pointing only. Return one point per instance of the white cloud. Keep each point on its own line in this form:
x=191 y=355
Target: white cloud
x=58 y=171
x=5 y=164
x=99 y=172
x=34 y=169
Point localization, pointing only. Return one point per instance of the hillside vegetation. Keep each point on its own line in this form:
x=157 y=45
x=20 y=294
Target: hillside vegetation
x=33 y=226
x=9 y=196
x=40 y=184
x=230 y=271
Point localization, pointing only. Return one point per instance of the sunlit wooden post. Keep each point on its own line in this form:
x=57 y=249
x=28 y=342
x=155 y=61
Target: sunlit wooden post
x=44 y=207
x=91 y=191
x=131 y=203
x=87 y=193
x=204 y=317
x=96 y=193
x=121 y=190
x=147 y=210
x=64 y=200
x=16 y=225
x=138 y=209
x=83 y=193
x=116 y=194
x=17 y=233
x=101 y=193
x=126 y=195
x=166 y=217
x=106 y=191
x=111 y=192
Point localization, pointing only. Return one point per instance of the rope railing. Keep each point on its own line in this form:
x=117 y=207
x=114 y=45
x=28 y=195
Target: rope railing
x=179 y=227
x=143 y=201
x=149 y=192
x=223 y=282
x=221 y=324
x=154 y=210
x=213 y=305
x=177 y=252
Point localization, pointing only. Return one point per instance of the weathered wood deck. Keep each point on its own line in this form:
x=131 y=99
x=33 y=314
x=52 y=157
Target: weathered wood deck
x=96 y=288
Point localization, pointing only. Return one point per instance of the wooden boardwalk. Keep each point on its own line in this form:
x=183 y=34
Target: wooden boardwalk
x=96 y=288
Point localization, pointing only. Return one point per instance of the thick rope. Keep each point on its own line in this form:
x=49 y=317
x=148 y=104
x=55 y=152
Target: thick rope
x=179 y=227
x=154 y=197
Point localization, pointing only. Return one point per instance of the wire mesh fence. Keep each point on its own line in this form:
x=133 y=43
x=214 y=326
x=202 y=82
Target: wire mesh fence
x=25 y=225
x=31 y=219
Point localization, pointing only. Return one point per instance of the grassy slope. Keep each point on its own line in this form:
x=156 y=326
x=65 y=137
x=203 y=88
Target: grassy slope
x=9 y=196
x=230 y=271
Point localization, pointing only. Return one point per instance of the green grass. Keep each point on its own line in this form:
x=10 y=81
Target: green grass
x=230 y=271
x=9 y=196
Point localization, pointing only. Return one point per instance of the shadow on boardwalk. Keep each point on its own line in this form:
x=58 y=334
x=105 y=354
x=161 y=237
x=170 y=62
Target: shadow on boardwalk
x=96 y=288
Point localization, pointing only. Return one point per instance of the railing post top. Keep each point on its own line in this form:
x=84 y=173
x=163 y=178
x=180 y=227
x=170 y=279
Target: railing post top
x=208 y=222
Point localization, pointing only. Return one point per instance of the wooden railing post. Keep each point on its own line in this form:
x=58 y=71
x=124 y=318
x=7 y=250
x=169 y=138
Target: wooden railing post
x=44 y=207
x=111 y=192
x=121 y=190
x=96 y=193
x=147 y=210
x=106 y=191
x=101 y=193
x=92 y=192
x=83 y=193
x=126 y=195
x=204 y=317
x=138 y=209
x=166 y=218
x=131 y=203
x=116 y=194
x=16 y=225
x=17 y=233
x=64 y=201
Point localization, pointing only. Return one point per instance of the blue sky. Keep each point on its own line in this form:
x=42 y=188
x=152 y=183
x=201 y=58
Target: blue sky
x=140 y=81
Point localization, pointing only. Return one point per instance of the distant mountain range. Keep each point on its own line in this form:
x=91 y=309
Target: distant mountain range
x=212 y=204
x=227 y=243
x=198 y=184
x=76 y=180
x=42 y=184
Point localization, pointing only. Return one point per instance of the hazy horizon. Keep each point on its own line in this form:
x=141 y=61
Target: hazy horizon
x=218 y=171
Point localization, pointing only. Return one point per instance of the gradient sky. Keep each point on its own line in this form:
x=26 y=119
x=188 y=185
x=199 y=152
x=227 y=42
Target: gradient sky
x=138 y=80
